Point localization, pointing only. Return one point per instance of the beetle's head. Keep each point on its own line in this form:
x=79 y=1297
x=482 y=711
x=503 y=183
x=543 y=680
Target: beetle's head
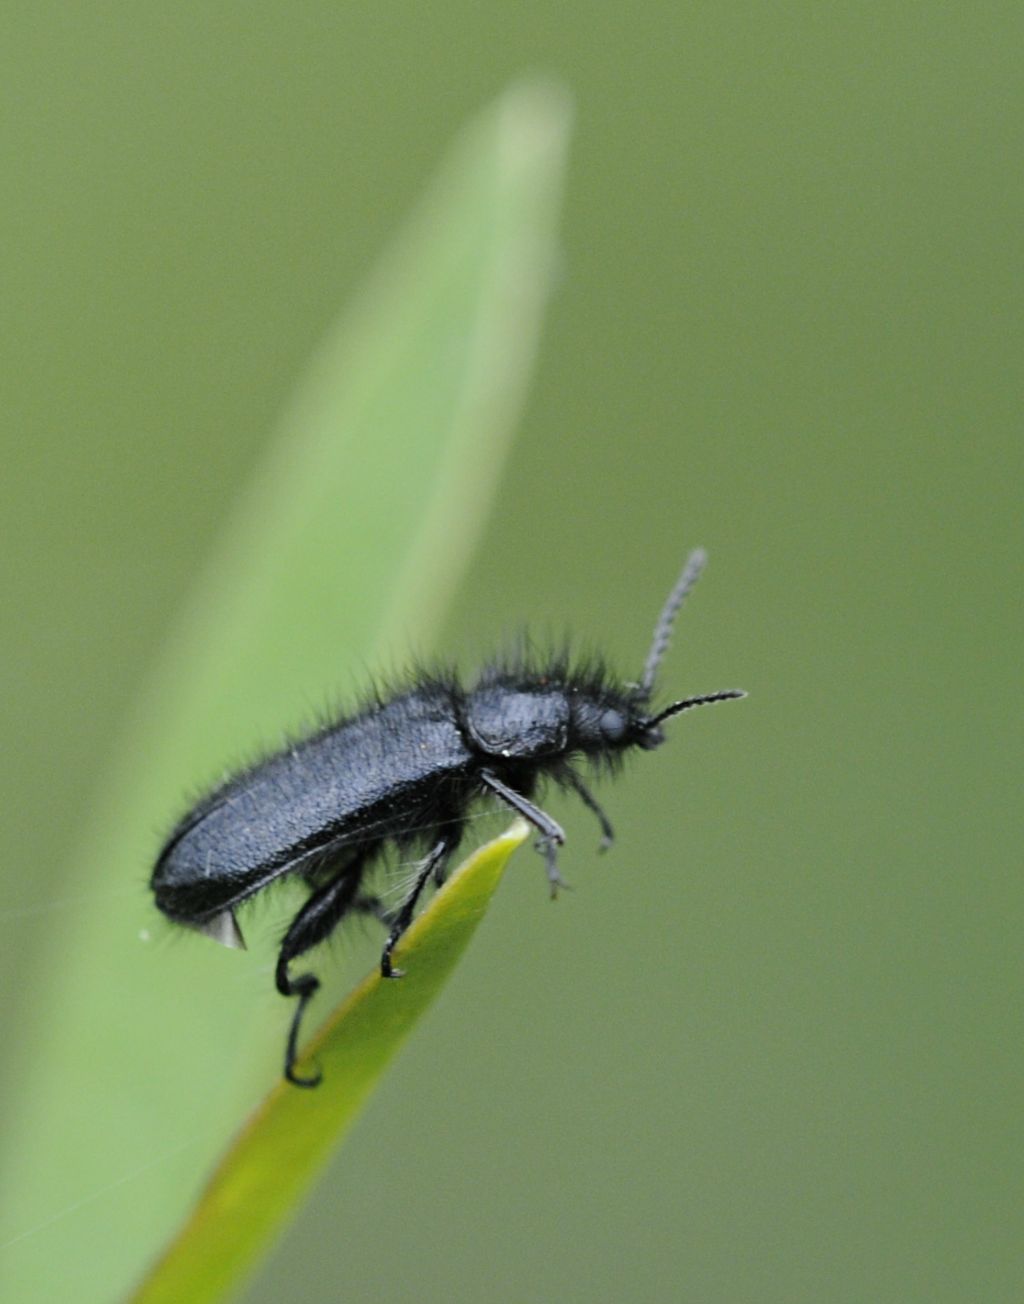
x=612 y=722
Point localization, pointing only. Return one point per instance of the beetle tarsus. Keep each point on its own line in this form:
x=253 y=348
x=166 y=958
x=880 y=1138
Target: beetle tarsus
x=305 y=989
x=556 y=882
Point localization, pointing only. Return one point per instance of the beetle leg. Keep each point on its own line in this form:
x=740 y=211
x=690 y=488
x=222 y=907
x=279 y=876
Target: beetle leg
x=430 y=865
x=556 y=882
x=588 y=799
x=552 y=831
x=317 y=918
x=552 y=834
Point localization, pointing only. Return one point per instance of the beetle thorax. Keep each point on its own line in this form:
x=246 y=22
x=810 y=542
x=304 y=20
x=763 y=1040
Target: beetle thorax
x=517 y=724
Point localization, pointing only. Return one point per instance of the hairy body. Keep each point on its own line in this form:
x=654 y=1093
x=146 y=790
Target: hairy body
x=404 y=771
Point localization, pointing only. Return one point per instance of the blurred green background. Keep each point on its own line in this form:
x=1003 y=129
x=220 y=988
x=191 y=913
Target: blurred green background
x=769 y=1049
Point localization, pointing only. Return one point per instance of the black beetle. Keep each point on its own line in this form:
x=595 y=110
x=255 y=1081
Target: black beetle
x=404 y=770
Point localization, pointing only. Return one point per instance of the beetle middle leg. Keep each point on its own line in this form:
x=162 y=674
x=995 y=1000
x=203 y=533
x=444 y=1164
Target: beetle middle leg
x=315 y=921
x=431 y=864
x=552 y=833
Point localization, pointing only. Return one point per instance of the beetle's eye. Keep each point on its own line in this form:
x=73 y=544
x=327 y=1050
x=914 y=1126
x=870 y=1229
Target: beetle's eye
x=613 y=726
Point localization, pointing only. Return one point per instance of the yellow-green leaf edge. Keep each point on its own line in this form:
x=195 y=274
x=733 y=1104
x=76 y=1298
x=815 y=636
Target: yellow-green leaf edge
x=276 y=1156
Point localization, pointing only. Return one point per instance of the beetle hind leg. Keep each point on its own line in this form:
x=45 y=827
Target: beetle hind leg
x=315 y=921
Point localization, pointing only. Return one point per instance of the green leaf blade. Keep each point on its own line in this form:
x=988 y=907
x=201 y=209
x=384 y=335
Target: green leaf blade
x=291 y=1135
x=139 y=1055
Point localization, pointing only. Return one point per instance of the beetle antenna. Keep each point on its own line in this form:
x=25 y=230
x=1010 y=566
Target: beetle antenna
x=663 y=629
x=726 y=695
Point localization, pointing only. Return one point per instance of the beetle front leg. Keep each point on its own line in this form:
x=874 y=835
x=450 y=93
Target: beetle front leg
x=552 y=833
